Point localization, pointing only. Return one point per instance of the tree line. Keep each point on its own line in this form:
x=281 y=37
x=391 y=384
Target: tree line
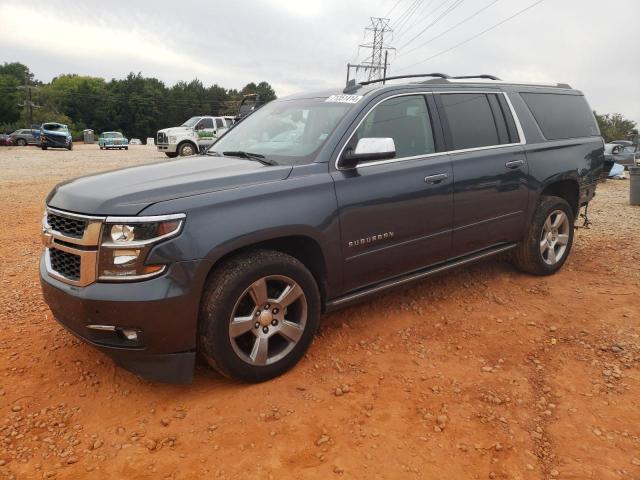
x=136 y=106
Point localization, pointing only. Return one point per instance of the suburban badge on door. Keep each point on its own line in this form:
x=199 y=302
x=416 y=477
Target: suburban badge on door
x=372 y=239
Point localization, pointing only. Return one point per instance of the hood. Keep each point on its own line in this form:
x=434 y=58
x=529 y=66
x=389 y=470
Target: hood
x=176 y=130
x=128 y=191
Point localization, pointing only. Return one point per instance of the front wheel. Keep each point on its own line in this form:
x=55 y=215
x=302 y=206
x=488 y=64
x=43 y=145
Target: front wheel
x=258 y=316
x=21 y=142
x=70 y=146
x=186 y=150
x=171 y=154
x=43 y=147
x=548 y=242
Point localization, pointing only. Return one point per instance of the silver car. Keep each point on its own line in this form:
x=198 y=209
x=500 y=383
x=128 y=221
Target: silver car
x=25 y=136
x=623 y=154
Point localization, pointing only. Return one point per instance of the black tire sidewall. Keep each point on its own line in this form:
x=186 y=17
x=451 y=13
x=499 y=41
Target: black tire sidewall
x=546 y=207
x=214 y=337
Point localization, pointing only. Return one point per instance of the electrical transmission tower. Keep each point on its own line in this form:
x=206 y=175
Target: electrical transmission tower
x=375 y=64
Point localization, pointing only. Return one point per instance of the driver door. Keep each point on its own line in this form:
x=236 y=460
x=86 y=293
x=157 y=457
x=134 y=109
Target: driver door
x=396 y=215
x=205 y=129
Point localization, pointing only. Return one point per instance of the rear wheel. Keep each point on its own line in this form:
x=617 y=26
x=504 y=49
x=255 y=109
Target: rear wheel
x=259 y=313
x=548 y=242
x=21 y=142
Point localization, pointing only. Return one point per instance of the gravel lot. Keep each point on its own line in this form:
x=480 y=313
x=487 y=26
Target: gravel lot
x=482 y=373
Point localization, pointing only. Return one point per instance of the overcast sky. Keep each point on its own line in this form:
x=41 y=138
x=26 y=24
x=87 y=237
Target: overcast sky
x=305 y=44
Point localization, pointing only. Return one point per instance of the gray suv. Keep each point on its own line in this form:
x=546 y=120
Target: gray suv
x=312 y=203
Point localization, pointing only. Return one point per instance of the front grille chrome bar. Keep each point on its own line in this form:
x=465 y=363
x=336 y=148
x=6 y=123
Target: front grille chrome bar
x=85 y=247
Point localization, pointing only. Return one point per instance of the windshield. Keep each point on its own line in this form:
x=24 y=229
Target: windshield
x=287 y=131
x=608 y=147
x=112 y=135
x=54 y=127
x=191 y=122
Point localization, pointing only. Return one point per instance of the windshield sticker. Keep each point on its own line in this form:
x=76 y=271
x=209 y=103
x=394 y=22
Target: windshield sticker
x=344 y=98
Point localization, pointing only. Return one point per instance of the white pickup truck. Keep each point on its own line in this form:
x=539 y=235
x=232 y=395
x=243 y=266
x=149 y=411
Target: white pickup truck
x=192 y=136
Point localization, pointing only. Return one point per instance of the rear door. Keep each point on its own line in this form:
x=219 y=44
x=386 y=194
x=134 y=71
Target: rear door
x=395 y=215
x=490 y=169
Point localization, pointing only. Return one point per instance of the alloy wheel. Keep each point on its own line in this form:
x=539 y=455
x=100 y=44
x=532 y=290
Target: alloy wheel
x=555 y=237
x=268 y=320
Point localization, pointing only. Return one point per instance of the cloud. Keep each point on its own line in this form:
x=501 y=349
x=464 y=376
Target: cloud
x=305 y=45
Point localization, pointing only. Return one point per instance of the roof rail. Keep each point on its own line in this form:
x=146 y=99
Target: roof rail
x=484 y=75
x=418 y=75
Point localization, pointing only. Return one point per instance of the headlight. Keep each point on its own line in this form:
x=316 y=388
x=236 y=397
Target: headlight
x=173 y=139
x=126 y=242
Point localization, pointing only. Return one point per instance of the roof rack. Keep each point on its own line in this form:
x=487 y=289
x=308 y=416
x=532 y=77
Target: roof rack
x=484 y=75
x=418 y=75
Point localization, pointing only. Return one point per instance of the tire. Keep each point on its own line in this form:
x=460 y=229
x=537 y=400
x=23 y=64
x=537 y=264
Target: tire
x=171 y=154
x=101 y=147
x=187 y=149
x=43 y=147
x=70 y=146
x=21 y=142
x=126 y=148
x=237 y=289
x=548 y=242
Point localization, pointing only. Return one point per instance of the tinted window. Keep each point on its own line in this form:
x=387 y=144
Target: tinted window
x=471 y=120
x=205 y=123
x=219 y=123
x=406 y=120
x=561 y=116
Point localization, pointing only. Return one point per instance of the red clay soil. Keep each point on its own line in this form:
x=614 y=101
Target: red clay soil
x=482 y=373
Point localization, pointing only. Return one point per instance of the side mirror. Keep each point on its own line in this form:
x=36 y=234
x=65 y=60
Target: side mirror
x=369 y=150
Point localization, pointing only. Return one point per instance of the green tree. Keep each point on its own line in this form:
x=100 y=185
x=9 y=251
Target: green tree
x=10 y=98
x=613 y=126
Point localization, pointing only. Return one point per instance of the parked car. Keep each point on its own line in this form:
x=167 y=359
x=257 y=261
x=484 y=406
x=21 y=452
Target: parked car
x=194 y=135
x=625 y=154
x=135 y=141
x=55 y=135
x=25 y=136
x=5 y=140
x=235 y=253
x=113 y=140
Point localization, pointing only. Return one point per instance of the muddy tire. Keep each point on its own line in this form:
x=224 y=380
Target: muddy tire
x=548 y=242
x=258 y=315
x=187 y=149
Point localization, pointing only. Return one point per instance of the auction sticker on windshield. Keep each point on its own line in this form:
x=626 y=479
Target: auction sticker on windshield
x=344 y=98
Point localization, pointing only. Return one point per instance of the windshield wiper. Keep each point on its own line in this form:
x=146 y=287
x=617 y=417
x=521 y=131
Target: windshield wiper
x=250 y=156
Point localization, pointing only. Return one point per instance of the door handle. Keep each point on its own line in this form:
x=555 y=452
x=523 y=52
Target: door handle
x=433 y=179
x=514 y=164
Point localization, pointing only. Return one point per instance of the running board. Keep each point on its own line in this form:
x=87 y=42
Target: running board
x=359 y=295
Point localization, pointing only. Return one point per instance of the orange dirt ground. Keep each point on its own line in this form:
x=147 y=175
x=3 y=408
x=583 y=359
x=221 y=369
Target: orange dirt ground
x=482 y=373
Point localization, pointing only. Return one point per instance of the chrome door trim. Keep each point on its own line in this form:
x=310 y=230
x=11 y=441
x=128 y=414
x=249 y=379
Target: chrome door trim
x=435 y=154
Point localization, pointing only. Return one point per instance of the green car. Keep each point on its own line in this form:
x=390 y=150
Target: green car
x=109 y=140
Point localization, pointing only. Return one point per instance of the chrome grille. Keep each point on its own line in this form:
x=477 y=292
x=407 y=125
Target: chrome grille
x=65 y=264
x=73 y=227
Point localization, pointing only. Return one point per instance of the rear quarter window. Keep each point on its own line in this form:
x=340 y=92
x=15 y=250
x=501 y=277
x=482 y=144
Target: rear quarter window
x=561 y=116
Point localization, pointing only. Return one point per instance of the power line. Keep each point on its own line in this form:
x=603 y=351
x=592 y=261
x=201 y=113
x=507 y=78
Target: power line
x=393 y=8
x=407 y=27
x=519 y=12
x=424 y=17
x=406 y=14
x=447 y=11
x=478 y=12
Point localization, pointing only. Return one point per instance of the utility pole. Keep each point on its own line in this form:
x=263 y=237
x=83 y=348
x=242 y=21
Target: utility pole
x=28 y=102
x=375 y=64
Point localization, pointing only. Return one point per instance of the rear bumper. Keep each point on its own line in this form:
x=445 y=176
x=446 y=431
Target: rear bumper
x=164 y=312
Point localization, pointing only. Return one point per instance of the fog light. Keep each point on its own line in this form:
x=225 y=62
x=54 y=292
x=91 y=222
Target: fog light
x=129 y=334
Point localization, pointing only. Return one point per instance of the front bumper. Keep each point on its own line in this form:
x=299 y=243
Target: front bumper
x=167 y=147
x=53 y=141
x=164 y=311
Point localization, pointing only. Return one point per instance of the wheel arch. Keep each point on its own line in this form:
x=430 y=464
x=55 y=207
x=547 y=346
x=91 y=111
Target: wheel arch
x=182 y=142
x=301 y=246
x=566 y=188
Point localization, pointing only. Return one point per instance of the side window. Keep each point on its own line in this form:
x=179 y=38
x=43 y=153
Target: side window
x=471 y=120
x=219 y=123
x=205 y=123
x=561 y=116
x=405 y=119
x=228 y=122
